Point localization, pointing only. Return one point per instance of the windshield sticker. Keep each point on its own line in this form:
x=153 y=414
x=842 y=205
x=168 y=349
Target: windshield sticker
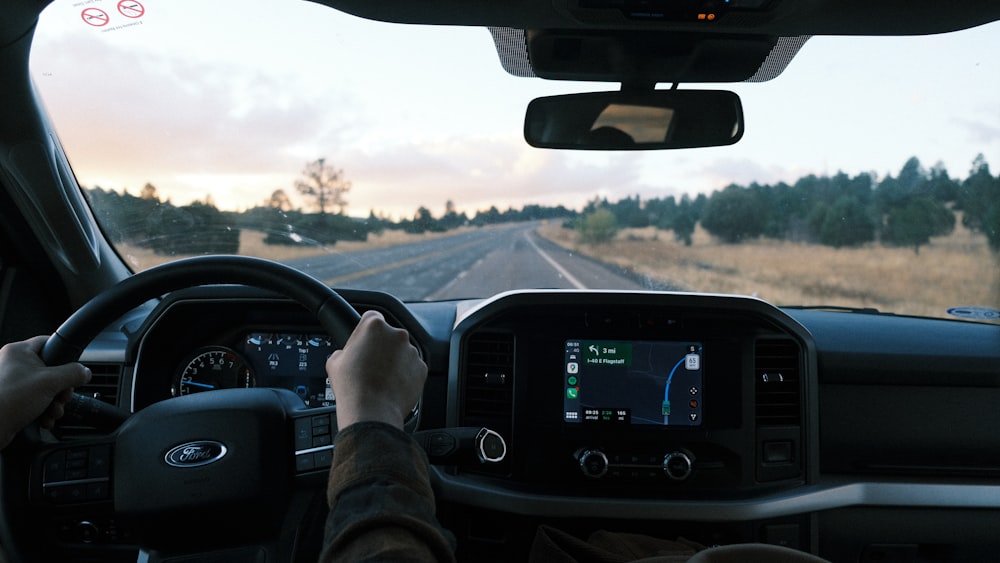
x=131 y=9
x=977 y=313
x=95 y=17
x=98 y=14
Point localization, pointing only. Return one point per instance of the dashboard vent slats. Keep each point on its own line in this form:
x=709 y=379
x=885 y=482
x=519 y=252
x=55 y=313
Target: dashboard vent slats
x=104 y=386
x=104 y=383
x=489 y=376
x=776 y=383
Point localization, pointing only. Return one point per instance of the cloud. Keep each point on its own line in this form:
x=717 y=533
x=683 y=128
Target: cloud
x=196 y=122
x=476 y=173
x=744 y=171
x=980 y=131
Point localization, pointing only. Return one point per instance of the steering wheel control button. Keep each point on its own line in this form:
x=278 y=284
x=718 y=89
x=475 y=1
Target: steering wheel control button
x=305 y=462
x=67 y=494
x=313 y=443
x=321 y=434
x=321 y=425
x=678 y=465
x=98 y=491
x=303 y=433
x=324 y=458
x=99 y=461
x=593 y=463
x=55 y=467
x=77 y=475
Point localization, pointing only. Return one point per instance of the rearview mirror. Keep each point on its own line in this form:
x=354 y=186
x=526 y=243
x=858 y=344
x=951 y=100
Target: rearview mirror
x=629 y=120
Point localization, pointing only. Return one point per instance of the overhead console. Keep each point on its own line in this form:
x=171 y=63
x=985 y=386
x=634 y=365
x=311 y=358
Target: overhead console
x=637 y=394
x=675 y=10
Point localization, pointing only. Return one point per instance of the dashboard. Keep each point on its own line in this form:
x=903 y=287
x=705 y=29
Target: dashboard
x=719 y=418
x=622 y=394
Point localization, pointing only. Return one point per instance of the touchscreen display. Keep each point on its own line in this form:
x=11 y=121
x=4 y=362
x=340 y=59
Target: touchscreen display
x=632 y=382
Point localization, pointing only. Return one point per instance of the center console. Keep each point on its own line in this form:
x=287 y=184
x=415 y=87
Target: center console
x=636 y=395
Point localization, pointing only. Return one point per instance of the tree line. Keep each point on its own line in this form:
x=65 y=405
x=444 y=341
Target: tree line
x=840 y=211
x=907 y=209
x=149 y=221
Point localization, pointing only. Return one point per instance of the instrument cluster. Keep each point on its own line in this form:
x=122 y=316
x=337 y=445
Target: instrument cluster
x=260 y=358
x=201 y=340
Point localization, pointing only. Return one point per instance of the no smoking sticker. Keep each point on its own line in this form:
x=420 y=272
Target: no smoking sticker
x=95 y=17
x=131 y=9
x=130 y=14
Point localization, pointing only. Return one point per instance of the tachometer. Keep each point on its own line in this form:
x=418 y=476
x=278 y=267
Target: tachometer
x=211 y=368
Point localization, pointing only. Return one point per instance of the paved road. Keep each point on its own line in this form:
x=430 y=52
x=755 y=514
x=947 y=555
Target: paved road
x=475 y=263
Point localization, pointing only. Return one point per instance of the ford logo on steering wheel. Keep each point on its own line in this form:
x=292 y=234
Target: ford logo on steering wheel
x=195 y=454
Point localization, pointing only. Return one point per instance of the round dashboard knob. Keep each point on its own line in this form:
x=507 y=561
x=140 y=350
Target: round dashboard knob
x=677 y=465
x=87 y=532
x=593 y=463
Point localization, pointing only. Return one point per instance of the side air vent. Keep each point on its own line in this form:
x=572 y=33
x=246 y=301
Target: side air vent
x=104 y=383
x=776 y=383
x=488 y=379
x=103 y=386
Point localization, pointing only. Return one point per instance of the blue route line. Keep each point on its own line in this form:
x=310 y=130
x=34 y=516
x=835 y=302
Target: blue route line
x=666 y=388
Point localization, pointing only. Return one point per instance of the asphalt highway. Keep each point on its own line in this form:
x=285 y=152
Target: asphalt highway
x=475 y=263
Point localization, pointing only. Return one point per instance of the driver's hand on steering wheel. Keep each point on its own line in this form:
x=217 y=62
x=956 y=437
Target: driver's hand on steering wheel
x=30 y=390
x=378 y=376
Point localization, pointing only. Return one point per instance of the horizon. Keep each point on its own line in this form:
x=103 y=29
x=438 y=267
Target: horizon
x=471 y=214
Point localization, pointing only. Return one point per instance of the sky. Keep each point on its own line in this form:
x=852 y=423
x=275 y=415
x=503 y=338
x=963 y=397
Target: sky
x=176 y=96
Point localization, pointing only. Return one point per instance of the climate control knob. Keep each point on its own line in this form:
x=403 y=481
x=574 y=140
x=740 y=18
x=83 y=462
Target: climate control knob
x=593 y=463
x=677 y=465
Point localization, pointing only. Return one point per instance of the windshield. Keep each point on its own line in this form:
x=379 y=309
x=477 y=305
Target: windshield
x=392 y=158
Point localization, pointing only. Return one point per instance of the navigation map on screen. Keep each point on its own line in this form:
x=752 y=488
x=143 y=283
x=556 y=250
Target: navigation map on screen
x=633 y=382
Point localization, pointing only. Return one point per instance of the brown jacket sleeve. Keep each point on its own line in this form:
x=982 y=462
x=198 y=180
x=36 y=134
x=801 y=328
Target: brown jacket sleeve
x=380 y=498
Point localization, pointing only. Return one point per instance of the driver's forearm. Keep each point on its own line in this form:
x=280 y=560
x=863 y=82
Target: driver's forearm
x=381 y=502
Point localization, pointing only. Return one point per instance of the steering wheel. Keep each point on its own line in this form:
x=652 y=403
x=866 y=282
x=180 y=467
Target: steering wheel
x=194 y=472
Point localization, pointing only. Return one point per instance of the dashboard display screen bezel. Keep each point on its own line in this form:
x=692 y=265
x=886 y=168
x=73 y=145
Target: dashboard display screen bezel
x=635 y=383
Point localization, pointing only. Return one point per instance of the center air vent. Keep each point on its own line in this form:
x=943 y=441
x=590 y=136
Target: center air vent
x=488 y=380
x=776 y=383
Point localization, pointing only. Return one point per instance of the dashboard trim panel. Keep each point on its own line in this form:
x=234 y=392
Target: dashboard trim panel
x=829 y=495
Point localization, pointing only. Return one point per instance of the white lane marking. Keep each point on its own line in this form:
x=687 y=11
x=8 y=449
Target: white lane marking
x=562 y=271
x=447 y=287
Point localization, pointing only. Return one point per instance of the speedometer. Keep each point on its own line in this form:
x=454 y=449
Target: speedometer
x=211 y=368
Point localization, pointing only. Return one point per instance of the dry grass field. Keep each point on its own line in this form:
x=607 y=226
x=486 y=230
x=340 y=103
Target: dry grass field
x=955 y=270
x=252 y=244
